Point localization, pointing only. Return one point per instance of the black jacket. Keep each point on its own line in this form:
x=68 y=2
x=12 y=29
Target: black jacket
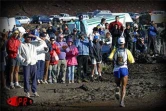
x=95 y=51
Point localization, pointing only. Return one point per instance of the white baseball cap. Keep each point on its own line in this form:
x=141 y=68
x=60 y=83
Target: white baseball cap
x=121 y=40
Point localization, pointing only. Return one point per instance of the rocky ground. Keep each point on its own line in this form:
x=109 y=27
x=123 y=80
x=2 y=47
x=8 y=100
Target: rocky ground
x=146 y=90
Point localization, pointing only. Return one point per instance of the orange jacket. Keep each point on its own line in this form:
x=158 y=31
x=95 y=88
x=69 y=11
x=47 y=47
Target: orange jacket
x=12 y=47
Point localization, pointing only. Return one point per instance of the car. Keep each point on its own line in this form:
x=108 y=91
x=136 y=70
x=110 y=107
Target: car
x=40 y=19
x=65 y=17
x=23 y=19
x=52 y=16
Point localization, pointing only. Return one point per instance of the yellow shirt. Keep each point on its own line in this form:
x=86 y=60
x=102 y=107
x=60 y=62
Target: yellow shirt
x=130 y=57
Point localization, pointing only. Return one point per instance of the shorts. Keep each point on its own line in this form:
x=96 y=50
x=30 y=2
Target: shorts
x=121 y=72
x=2 y=67
x=95 y=62
x=14 y=62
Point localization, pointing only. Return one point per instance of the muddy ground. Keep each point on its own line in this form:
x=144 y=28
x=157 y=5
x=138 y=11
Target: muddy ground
x=146 y=90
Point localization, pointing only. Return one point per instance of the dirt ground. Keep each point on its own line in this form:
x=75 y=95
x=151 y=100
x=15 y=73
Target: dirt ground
x=146 y=90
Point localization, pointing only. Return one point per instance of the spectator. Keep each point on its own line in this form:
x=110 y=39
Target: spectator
x=152 y=33
x=83 y=48
x=12 y=49
x=80 y=25
x=140 y=46
x=51 y=30
x=66 y=31
x=45 y=32
x=101 y=26
x=41 y=58
x=106 y=28
x=128 y=38
x=121 y=57
x=3 y=55
x=27 y=55
x=136 y=37
x=106 y=47
x=95 y=32
x=53 y=76
x=62 y=65
x=96 y=57
x=71 y=60
x=14 y=28
x=116 y=29
x=74 y=35
x=47 y=60
x=37 y=31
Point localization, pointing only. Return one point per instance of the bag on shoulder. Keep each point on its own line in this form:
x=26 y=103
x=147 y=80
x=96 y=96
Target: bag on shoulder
x=55 y=56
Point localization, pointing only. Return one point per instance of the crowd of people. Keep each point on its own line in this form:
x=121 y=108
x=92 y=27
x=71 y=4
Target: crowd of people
x=59 y=55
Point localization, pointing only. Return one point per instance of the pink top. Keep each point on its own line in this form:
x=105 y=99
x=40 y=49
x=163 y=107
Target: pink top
x=71 y=56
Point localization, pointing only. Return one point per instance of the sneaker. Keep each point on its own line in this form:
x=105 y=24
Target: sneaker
x=117 y=93
x=12 y=87
x=45 y=82
x=41 y=81
x=36 y=94
x=122 y=104
x=72 y=81
x=18 y=86
x=27 y=94
x=38 y=81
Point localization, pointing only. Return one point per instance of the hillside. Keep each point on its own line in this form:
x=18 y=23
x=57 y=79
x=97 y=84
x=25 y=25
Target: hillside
x=29 y=8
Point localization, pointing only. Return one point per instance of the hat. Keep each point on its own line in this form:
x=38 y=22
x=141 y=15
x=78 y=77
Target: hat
x=52 y=39
x=96 y=37
x=26 y=35
x=42 y=35
x=61 y=35
x=121 y=40
x=70 y=40
x=16 y=31
x=44 y=30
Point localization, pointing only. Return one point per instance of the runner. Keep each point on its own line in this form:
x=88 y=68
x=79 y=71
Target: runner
x=121 y=56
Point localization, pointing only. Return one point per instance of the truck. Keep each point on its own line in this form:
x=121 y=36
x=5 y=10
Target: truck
x=89 y=24
x=65 y=17
x=8 y=23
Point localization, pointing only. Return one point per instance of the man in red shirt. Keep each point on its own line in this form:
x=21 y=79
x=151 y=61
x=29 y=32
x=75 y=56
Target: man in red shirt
x=116 y=29
x=12 y=49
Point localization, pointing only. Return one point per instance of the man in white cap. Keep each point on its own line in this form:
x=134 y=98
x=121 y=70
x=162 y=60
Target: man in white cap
x=121 y=57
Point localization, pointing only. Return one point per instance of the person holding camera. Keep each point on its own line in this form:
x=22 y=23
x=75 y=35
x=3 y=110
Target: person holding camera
x=83 y=54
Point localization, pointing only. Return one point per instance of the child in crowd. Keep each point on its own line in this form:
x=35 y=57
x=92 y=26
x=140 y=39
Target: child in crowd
x=71 y=59
x=53 y=62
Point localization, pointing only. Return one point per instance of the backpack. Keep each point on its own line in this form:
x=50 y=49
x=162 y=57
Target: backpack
x=120 y=57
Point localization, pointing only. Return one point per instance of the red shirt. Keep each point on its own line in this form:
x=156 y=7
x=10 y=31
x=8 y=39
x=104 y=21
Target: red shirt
x=112 y=24
x=57 y=50
x=12 y=47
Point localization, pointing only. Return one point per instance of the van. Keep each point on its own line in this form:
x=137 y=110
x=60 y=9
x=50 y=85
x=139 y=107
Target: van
x=40 y=19
x=8 y=24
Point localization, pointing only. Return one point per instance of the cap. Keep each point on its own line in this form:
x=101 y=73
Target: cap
x=96 y=37
x=121 y=40
x=44 y=30
x=16 y=31
x=61 y=35
x=70 y=40
x=42 y=35
x=52 y=39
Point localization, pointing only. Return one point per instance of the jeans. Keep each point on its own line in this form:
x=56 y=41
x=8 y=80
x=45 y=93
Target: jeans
x=40 y=69
x=152 y=44
x=71 y=72
x=52 y=75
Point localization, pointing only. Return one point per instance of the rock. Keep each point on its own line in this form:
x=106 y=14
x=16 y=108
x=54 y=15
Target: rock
x=84 y=87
